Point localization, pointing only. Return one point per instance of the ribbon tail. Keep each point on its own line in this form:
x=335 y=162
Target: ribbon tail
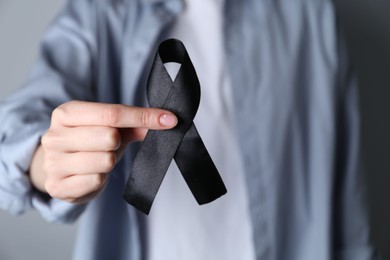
x=198 y=169
x=149 y=168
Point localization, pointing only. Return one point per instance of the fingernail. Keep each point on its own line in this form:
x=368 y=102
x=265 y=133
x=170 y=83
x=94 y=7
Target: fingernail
x=168 y=120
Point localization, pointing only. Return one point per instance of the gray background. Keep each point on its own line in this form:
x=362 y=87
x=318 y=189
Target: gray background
x=367 y=26
x=22 y=23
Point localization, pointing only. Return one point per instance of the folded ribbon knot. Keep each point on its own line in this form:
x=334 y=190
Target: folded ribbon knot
x=182 y=143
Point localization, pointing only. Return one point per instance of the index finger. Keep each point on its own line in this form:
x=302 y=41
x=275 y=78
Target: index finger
x=81 y=113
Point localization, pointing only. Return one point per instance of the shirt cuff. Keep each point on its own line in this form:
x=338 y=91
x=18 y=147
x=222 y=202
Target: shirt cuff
x=54 y=210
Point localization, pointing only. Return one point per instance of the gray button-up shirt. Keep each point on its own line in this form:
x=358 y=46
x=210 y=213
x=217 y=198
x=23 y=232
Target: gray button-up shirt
x=295 y=102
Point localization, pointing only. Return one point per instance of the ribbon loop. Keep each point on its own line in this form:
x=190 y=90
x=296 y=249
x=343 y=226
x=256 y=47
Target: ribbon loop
x=182 y=143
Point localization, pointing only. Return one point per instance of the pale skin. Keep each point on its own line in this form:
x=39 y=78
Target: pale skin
x=83 y=144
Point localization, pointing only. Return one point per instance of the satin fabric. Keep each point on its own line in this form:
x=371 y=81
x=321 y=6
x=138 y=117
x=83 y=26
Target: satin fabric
x=182 y=143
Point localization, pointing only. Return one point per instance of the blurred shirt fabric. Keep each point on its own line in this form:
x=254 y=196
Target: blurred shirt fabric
x=295 y=108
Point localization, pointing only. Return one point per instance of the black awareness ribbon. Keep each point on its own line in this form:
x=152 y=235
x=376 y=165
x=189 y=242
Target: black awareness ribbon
x=182 y=143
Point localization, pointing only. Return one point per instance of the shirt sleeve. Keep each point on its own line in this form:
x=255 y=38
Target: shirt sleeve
x=63 y=72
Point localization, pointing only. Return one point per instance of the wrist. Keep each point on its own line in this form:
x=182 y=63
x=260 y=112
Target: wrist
x=36 y=173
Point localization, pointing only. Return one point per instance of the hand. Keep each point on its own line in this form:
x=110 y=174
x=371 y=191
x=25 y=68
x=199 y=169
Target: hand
x=83 y=144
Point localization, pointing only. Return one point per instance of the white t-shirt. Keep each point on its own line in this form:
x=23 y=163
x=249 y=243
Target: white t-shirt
x=178 y=228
